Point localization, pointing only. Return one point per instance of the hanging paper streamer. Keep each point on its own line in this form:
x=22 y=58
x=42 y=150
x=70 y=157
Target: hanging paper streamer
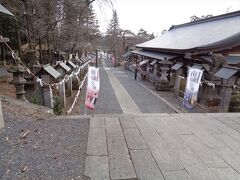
x=211 y=84
x=77 y=95
x=28 y=71
x=51 y=95
x=39 y=81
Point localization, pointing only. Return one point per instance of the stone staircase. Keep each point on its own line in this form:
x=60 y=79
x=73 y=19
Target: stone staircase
x=148 y=146
x=108 y=156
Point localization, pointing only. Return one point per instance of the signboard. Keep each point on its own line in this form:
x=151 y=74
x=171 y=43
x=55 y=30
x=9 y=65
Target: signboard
x=192 y=86
x=93 y=86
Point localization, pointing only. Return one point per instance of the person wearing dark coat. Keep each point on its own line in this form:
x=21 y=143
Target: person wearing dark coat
x=135 y=72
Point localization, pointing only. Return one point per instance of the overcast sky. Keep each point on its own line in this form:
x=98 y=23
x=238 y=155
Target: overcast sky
x=156 y=15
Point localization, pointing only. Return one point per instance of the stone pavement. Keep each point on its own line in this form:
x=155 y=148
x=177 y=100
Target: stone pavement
x=127 y=104
x=171 y=102
x=164 y=146
x=130 y=95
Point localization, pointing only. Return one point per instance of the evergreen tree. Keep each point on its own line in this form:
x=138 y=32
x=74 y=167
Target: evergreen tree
x=113 y=31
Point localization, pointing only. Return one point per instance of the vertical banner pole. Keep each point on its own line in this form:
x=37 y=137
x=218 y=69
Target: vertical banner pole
x=93 y=87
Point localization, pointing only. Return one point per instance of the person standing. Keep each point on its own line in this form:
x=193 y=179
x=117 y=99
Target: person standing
x=135 y=72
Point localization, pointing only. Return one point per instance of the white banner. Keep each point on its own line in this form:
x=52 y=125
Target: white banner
x=93 y=87
x=192 y=86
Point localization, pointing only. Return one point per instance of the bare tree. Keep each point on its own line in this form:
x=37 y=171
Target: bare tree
x=196 y=18
x=50 y=25
x=128 y=39
x=143 y=36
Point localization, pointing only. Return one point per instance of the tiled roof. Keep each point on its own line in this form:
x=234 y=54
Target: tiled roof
x=155 y=55
x=5 y=11
x=215 y=32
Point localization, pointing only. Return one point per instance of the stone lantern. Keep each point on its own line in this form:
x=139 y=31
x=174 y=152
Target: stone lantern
x=18 y=80
x=63 y=69
x=75 y=60
x=75 y=79
x=71 y=64
x=163 y=84
x=48 y=75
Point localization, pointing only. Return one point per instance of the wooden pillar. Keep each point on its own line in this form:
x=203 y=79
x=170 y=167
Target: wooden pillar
x=3 y=57
x=62 y=94
x=75 y=82
x=69 y=87
x=177 y=82
x=177 y=85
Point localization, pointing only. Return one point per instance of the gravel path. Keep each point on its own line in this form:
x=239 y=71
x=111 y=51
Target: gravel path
x=43 y=149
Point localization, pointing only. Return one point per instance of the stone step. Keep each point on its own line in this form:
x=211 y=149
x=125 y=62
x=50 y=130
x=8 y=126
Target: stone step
x=108 y=156
x=162 y=146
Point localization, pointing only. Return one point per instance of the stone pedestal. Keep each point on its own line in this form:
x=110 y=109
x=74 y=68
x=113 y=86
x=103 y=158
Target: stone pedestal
x=155 y=72
x=69 y=87
x=163 y=84
x=18 y=80
x=177 y=85
x=225 y=99
x=1 y=116
x=47 y=97
x=172 y=80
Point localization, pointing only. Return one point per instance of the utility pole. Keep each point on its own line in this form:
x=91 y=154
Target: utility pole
x=28 y=30
x=115 y=58
x=96 y=58
x=18 y=36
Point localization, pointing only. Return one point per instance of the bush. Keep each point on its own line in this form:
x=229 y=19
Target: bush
x=57 y=105
x=36 y=97
x=36 y=100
